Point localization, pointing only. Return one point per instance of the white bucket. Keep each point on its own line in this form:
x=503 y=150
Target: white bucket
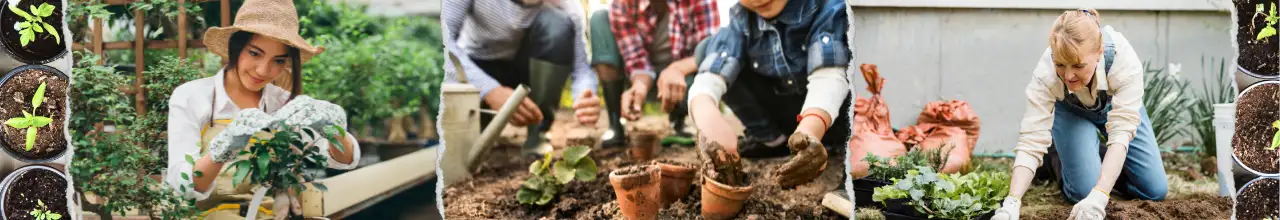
x=1224 y=126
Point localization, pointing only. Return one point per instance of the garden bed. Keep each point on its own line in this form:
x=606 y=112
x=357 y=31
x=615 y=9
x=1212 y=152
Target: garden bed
x=491 y=193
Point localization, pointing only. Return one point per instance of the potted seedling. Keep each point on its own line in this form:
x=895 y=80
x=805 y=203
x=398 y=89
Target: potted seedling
x=1255 y=139
x=1259 y=199
x=34 y=112
x=677 y=180
x=646 y=137
x=725 y=187
x=548 y=176
x=33 y=30
x=1257 y=39
x=884 y=170
x=638 y=191
x=35 y=192
x=924 y=193
x=284 y=163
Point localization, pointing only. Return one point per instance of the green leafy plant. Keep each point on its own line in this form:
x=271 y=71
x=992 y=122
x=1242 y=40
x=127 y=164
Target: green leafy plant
x=1275 y=141
x=29 y=121
x=282 y=162
x=1271 y=19
x=889 y=168
x=1213 y=91
x=43 y=213
x=1165 y=103
x=35 y=23
x=947 y=196
x=548 y=175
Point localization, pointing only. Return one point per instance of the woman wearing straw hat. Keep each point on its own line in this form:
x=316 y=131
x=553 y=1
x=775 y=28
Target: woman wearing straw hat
x=263 y=52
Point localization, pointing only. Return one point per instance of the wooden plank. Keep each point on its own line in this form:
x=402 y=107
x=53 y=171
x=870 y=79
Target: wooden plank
x=140 y=97
x=182 y=30
x=151 y=45
x=356 y=190
x=97 y=41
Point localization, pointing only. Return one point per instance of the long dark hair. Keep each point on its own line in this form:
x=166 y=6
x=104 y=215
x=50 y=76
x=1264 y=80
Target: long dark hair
x=240 y=39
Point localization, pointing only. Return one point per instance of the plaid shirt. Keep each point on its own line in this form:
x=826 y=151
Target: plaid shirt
x=633 y=21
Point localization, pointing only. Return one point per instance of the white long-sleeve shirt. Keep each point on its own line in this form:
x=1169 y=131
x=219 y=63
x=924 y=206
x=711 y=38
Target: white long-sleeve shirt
x=493 y=29
x=1124 y=83
x=193 y=104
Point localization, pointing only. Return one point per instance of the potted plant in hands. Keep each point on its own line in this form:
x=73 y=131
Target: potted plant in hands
x=724 y=186
x=35 y=192
x=33 y=30
x=36 y=113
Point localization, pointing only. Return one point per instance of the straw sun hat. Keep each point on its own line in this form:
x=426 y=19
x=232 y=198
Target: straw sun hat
x=276 y=19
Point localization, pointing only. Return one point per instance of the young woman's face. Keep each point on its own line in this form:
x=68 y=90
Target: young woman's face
x=262 y=61
x=765 y=8
x=1078 y=74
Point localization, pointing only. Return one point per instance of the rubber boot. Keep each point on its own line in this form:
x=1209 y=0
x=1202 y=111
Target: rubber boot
x=613 y=101
x=547 y=81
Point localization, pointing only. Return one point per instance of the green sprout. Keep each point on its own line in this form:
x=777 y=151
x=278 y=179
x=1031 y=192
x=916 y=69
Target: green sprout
x=548 y=177
x=35 y=23
x=29 y=121
x=1271 y=19
x=43 y=213
x=1275 y=140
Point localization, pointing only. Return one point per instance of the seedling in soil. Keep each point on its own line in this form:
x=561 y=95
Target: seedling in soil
x=29 y=121
x=548 y=176
x=43 y=213
x=1275 y=141
x=35 y=23
x=280 y=163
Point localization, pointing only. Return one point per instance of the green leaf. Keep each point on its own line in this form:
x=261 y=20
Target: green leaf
x=20 y=12
x=185 y=177
x=37 y=28
x=262 y=164
x=586 y=169
x=54 y=32
x=534 y=182
x=25 y=113
x=199 y=174
x=1266 y=32
x=40 y=121
x=242 y=170
x=535 y=168
x=45 y=10
x=191 y=160
x=31 y=137
x=562 y=172
x=547 y=194
x=19 y=123
x=528 y=196
x=320 y=187
x=23 y=25
x=38 y=98
x=27 y=36
x=54 y=216
x=573 y=154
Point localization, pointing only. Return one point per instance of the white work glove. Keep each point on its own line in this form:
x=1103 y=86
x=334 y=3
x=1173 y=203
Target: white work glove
x=1092 y=207
x=235 y=138
x=306 y=112
x=1009 y=210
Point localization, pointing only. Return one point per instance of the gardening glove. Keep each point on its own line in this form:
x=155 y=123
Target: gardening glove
x=1009 y=210
x=808 y=163
x=235 y=137
x=306 y=112
x=1092 y=207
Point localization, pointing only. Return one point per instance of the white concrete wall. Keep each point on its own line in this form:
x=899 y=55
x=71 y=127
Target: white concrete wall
x=967 y=50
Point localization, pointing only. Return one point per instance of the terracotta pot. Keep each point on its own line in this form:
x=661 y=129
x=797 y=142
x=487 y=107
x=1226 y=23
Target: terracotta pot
x=720 y=201
x=638 y=192
x=677 y=180
x=644 y=147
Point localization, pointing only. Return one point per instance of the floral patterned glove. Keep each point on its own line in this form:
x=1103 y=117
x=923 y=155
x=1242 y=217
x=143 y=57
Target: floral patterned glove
x=306 y=112
x=235 y=138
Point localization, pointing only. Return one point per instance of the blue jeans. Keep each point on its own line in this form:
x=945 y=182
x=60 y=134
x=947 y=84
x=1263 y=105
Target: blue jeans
x=1075 y=136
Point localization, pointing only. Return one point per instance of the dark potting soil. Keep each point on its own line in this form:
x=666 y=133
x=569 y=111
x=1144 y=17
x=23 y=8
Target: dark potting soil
x=1192 y=207
x=1257 y=56
x=45 y=46
x=491 y=192
x=33 y=187
x=637 y=176
x=17 y=93
x=1256 y=110
x=1259 y=200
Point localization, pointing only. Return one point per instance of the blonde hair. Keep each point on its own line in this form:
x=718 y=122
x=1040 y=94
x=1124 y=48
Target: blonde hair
x=1074 y=33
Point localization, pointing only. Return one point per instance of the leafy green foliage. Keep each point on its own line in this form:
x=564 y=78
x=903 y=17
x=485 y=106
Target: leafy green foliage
x=1271 y=18
x=547 y=180
x=164 y=76
x=1275 y=141
x=889 y=168
x=947 y=196
x=90 y=8
x=280 y=163
x=43 y=213
x=375 y=67
x=1166 y=103
x=34 y=23
x=29 y=121
x=1213 y=91
x=96 y=91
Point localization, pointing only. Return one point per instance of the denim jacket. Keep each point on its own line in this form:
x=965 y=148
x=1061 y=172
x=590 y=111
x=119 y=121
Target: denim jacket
x=779 y=48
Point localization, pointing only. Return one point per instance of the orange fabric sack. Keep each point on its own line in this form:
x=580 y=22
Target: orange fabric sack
x=872 y=132
x=949 y=126
x=953 y=113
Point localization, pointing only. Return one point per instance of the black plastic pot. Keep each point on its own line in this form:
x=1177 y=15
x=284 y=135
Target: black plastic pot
x=863 y=189
x=43 y=49
x=899 y=209
x=3 y=145
x=6 y=186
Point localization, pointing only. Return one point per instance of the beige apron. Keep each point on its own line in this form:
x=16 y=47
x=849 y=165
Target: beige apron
x=227 y=199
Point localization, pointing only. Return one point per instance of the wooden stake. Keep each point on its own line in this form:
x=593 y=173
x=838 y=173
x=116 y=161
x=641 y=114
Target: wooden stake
x=139 y=36
x=182 y=30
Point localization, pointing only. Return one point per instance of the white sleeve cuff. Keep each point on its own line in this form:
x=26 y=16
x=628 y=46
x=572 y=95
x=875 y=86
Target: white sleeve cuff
x=828 y=87
x=1027 y=159
x=712 y=85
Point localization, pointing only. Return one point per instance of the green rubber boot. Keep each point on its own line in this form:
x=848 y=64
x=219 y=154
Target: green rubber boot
x=547 y=81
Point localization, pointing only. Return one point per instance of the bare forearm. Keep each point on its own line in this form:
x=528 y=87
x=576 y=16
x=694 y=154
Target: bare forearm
x=208 y=172
x=684 y=66
x=1020 y=181
x=343 y=155
x=1112 y=163
x=816 y=125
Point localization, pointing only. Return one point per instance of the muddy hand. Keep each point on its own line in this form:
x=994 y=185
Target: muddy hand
x=808 y=163
x=714 y=155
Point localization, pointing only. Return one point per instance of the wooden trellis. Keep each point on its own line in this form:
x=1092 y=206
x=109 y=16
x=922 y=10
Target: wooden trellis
x=140 y=43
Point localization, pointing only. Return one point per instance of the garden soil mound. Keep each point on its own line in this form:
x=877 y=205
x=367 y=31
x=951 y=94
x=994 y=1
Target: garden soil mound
x=1202 y=207
x=491 y=193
